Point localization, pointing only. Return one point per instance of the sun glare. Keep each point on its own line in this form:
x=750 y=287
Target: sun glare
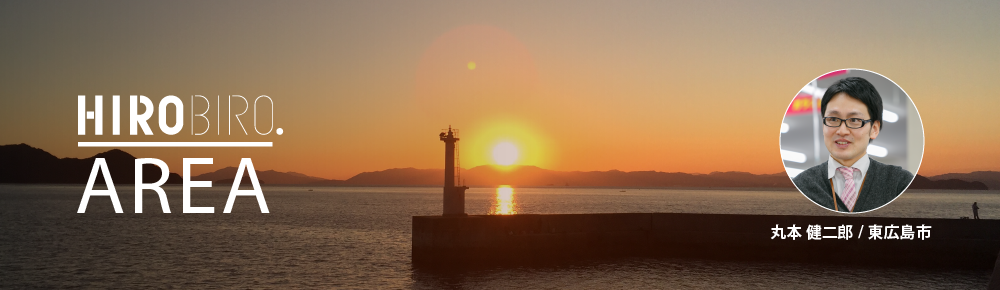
x=505 y=153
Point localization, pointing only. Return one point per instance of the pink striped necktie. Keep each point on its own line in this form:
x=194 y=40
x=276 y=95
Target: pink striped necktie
x=848 y=195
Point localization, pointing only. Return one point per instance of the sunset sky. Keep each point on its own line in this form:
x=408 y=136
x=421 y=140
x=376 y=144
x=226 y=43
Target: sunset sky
x=368 y=85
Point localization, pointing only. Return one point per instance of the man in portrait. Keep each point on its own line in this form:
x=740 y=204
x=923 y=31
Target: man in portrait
x=851 y=181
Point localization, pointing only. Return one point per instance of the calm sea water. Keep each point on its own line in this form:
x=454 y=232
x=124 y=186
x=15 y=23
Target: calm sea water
x=333 y=237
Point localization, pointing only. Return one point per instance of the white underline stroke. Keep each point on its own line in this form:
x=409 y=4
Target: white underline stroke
x=174 y=144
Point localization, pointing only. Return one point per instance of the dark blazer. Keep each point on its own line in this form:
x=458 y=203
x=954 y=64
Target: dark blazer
x=882 y=184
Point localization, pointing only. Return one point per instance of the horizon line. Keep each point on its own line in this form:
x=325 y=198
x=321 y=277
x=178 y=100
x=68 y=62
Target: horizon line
x=174 y=144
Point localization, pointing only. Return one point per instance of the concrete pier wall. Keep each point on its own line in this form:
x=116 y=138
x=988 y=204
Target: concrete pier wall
x=526 y=239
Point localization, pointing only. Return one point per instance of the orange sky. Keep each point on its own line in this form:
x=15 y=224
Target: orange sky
x=575 y=85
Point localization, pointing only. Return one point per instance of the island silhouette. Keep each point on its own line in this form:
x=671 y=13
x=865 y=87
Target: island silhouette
x=25 y=164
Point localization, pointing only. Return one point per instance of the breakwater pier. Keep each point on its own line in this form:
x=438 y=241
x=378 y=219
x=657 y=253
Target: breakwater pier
x=546 y=238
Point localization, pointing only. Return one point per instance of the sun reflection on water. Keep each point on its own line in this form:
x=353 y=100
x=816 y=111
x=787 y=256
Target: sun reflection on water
x=504 y=203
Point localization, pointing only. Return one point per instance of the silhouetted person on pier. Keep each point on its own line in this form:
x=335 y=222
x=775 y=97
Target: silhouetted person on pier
x=975 y=210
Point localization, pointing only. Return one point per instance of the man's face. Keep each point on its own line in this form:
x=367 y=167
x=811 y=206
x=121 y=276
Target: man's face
x=847 y=145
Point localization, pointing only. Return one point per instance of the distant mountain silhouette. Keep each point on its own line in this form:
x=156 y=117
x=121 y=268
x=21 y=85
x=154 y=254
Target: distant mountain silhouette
x=533 y=176
x=487 y=175
x=921 y=182
x=226 y=176
x=25 y=164
x=398 y=176
x=990 y=178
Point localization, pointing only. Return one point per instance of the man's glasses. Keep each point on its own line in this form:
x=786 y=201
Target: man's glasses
x=853 y=123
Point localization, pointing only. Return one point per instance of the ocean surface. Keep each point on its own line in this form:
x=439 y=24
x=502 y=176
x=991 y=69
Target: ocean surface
x=343 y=237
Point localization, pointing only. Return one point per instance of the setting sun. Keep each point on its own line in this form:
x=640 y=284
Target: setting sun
x=505 y=153
x=526 y=144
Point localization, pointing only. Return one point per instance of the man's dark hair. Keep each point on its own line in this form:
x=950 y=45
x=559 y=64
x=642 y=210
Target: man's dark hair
x=859 y=89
